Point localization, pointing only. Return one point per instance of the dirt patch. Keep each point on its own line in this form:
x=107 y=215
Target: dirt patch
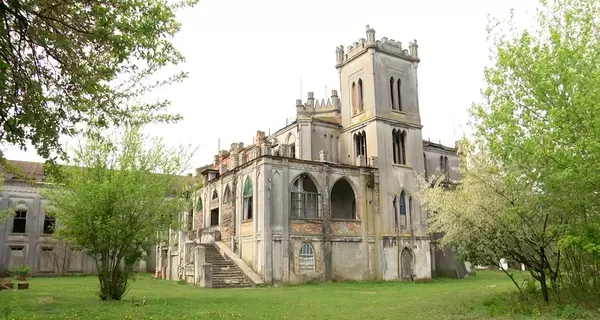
x=46 y=300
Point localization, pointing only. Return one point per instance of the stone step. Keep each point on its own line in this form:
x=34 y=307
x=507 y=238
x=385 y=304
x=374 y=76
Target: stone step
x=226 y=274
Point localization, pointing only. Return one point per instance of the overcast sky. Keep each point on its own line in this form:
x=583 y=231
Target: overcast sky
x=245 y=60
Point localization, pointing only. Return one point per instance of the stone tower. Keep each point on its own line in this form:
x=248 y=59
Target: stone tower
x=380 y=116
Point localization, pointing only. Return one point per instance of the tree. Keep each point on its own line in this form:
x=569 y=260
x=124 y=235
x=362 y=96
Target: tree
x=541 y=115
x=494 y=212
x=114 y=197
x=63 y=62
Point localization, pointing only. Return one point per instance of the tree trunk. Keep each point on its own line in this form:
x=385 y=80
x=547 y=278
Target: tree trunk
x=544 y=286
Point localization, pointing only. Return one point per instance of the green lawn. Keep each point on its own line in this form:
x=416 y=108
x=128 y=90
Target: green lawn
x=74 y=298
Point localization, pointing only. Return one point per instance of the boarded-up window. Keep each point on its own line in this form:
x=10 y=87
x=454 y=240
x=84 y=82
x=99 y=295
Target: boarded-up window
x=46 y=260
x=354 y=98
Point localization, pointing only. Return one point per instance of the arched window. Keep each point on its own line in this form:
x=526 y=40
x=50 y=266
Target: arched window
x=307 y=258
x=305 y=198
x=402 y=207
x=215 y=195
x=399 y=146
x=199 y=204
x=20 y=219
x=360 y=141
x=392 y=93
x=354 y=99
x=247 y=197
x=360 y=95
x=399 y=87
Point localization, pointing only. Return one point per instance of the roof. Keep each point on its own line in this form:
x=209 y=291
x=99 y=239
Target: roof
x=29 y=169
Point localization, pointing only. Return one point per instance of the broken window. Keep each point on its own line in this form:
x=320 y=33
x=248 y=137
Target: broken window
x=293 y=150
x=305 y=198
x=307 y=258
x=48 y=224
x=399 y=146
x=247 y=199
x=360 y=143
x=343 y=200
x=20 y=221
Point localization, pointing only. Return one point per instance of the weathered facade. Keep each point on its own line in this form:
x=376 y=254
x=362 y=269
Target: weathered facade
x=27 y=237
x=329 y=197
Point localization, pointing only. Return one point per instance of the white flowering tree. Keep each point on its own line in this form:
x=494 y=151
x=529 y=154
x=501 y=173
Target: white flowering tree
x=492 y=213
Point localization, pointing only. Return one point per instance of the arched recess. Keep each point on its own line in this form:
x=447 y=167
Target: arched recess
x=406 y=263
x=247 y=198
x=227 y=195
x=343 y=200
x=306 y=258
x=290 y=141
x=305 y=197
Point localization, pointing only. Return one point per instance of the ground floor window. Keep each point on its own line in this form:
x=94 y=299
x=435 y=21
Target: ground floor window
x=307 y=258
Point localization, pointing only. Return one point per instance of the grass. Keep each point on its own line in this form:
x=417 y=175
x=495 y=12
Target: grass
x=74 y=298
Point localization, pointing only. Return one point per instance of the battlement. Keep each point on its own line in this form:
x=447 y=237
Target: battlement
x=386 y=45
x=332 y=103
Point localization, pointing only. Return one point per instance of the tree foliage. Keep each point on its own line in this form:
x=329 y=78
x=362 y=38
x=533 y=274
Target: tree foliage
x=70 y=62
x=494 y=212
x=114 y=197
x=541 y=115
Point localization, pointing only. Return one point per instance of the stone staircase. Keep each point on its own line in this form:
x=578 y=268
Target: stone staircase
x=225 y=274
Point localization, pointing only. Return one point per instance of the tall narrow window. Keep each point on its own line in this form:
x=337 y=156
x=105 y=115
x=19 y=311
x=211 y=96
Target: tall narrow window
x=403 y=148
x=395 y=208
x=446 y=167
x=402 y=207
x=360 y=95
x=399 y=146
x=392 y=93
x=410 y=210
x=307 y=258
x=48 y=224
x=354 y=99
x=442 y=164
x=247 y=199
x=399 y=87
x=396 y=142
x=425 y=164
x=20 y=221
x=360 y=141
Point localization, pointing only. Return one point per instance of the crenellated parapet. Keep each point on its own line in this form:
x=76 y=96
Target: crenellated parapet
x=329 y=108
x=389 y=46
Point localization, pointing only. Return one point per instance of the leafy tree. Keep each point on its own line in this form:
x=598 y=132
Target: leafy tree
x=62 y=62
x=541 y=115
x=114 y=197
x=494 y=212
